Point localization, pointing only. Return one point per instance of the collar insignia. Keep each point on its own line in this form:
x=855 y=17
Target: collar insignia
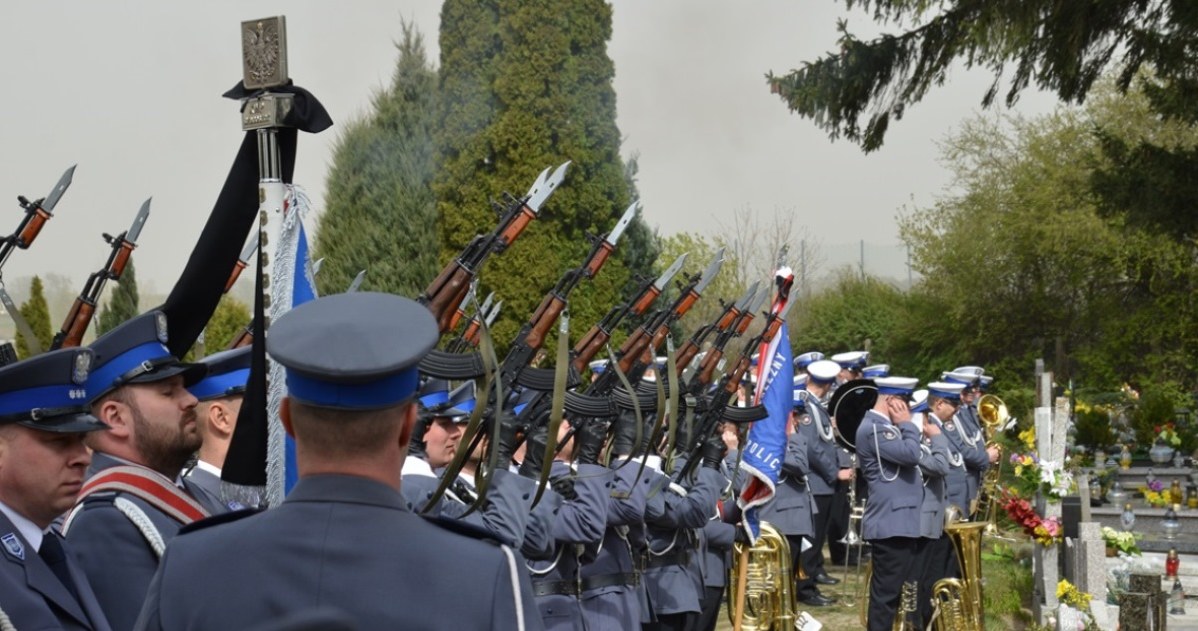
x=13 y=545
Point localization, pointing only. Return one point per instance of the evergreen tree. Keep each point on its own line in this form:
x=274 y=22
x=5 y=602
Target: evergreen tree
x=227 y=322
x=122 y=304
x=379 y=210
x=528 y=85
x=1063 y=47
x=37 y=313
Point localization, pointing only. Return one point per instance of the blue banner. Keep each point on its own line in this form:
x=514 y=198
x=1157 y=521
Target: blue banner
x=765 y=447
x=303 y=289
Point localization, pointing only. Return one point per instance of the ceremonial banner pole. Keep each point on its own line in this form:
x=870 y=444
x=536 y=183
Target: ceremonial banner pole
x=264 y=66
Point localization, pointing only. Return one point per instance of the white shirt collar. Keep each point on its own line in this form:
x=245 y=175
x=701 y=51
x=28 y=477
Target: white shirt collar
x=204 y=466
x=416 y=466
x=29 y=530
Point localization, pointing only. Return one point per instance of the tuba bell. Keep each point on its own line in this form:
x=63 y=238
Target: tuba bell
x=768 y=595
x=994 y=416
x=957 y=602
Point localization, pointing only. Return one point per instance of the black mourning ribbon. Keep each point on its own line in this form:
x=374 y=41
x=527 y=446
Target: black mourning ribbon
x=307 y=113
x=53 y=554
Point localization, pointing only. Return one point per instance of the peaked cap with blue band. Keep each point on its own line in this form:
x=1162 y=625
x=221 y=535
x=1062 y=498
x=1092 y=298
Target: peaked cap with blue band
x=852 y=359
x=357 y=351
x=136 y=352
x=947 y=390
x=458 y=404
x=897 y=386
x=228 y=372
x=823 y=371
x=803 y=360
x=965 y=378
x=976 y=371
x=919 y=401
x=984 y=382
x=875 y=371
x=48 y=392
x=433 y=392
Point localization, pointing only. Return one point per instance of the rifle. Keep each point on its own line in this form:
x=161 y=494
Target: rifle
x=246 y=337
x=469 y=337
x=37 y=213
x=731 y=314
x=449 y=288
x=717 y=407
x=599 y=334
x=80 y=315
x=736 y=327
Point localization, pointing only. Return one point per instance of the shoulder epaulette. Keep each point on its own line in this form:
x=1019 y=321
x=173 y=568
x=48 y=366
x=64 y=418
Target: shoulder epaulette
x=216 y=520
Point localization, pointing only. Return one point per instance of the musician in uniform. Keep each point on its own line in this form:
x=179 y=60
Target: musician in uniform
x=936 y=549
x=344 y=536
x=791 y=511
x=43 y=419
x=219 y=393
x=826 y=472
x=851 y=364
x=132 y=504
x=965 y=434
x=804 y=360
x=889 y=451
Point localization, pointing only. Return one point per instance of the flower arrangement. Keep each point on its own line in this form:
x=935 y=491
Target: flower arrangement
x=1157 y=498
x=1123 y=542
x=1069 y=594
x=1046 y=476
x=1046 y=532
x=1028 y=438
x=1167 y=435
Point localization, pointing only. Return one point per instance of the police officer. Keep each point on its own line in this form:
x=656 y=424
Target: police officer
x=344 y=537
x=825 y=467
x=43 y=418
x=851 y=364
x=888 y=448
x=934 y=465
x=119 y=528
x=219 y=394
x=791 y=511
x=967 y=438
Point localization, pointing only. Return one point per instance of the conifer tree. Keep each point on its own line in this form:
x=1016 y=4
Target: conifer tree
x=122 y=304
x=379 y=210
x=37 y=313
x=529 y=85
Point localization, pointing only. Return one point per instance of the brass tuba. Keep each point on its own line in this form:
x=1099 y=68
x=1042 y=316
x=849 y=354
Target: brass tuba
x=994 y=416
x=768 y=593
x=957 y=602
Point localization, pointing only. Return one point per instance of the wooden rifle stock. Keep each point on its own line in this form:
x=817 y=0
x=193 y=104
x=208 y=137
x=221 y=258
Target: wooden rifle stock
x=647 y=299
x=76 y=324
x=597 y=261
x=542 y=320
x=456 y=318
x=237 y=268
x=707 y=368
x=447 y=292
x=470 y=335
x=512 y=230
x=589 y=346
x=120 y=260
x=686 y=303
x=686 y=355
x=245 y=338
x=29 y=232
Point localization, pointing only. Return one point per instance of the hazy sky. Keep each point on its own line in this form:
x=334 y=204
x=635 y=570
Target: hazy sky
x=131 y=92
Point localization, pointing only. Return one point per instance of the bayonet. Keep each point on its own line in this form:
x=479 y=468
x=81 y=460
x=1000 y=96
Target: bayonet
x=487 y=304
x=622 y=224
x=243 y=260
x=670 y=272
x=494 y=313
x=37 y=213
x=713 y=268
x=357 y=282
x=31 y=342
x=543 y=189
x=138 y=222
x=743 y=304
x=316 y=265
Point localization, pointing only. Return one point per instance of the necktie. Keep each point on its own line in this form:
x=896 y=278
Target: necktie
x=53 y=554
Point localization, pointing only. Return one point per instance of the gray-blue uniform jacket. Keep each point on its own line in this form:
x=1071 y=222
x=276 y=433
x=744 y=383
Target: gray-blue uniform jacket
x=505 y=513
x=889 y=457
x=611 y=583
x=821 y=452
x=344 y=542
x=717 y=535
x=960 y=430
x=204 y=486
x=32 y=596
x=114 y=553
x=934 y=466
x=956 y=483
x=791 y=510
x=670 y=577
x=578 y=526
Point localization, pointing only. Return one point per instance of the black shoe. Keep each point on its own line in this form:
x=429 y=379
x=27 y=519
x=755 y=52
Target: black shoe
x=824 y=579
x=818 y=600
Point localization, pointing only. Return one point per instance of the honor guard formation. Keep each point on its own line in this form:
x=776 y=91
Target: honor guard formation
x=423 y=480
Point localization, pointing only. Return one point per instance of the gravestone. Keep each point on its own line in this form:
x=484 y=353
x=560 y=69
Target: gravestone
x=1142 y=607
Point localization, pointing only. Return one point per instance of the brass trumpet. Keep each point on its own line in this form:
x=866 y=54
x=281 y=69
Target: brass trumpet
x=994 y=416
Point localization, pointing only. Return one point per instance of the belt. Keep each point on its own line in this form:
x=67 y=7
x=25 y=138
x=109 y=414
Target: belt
x=674 y=557
x=555 y=588
x=630 y=579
